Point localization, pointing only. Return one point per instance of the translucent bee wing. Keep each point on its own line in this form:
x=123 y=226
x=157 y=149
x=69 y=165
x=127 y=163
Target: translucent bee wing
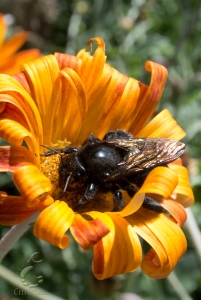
x=144 y=154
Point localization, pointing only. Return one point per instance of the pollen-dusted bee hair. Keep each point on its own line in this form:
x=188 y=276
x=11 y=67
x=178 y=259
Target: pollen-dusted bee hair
x=112 y=164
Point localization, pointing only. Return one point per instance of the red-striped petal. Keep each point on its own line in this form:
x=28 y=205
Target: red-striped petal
x=88 y=233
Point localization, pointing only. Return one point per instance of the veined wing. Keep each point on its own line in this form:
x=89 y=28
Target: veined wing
x=145 y=154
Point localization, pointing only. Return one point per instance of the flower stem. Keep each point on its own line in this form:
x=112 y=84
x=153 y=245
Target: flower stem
x=21 y=290
x=194 y=231
x=178 y=287
x=7 y=242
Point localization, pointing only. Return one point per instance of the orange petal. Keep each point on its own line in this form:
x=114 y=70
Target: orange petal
x=118 y=103
x=119 y=251
x=13 y=157
x=14 y=63
x=13 y=113
x=11 y=46
x=42 y=73
x=13 y=210
x=78 y=89
x=162 y=126
x=21 y=78
x=74 y=105
x=14 y=128
x=92 y=66
x=175 y=250
x=88 y=233
x=12 y=92
x=66 y=119
x=53 y=222
x=97 y=98
x=68 y=61
x=133 y=205
x=176 y=210
x=3 y=29
x=125 y=110
x=32 y=184
x=55 y=116
x=177 y=161
x=149 y=96
x=141 y=227
x=183 y=190
x=166 y=238
x=15 y=134
x=161 y=181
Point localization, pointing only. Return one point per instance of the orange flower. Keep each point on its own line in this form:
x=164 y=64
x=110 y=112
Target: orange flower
x=10 y=62
x=61 y=98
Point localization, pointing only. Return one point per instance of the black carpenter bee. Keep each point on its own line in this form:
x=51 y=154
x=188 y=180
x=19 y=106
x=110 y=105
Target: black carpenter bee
x=114 y=164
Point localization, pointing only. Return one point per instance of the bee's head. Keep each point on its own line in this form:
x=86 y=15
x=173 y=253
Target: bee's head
x=72 y=174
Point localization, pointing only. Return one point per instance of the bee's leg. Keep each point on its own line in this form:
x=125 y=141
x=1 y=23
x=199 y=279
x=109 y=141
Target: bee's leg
x=91 y=191
x=118 y=134
x=125 y=185
x=89 y=194
x=77 y=205
x=53 y=151
x=148 y=203
x=152 y=205
x=117 y=198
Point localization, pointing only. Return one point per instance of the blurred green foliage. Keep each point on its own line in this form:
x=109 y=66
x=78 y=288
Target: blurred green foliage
x=134 y=31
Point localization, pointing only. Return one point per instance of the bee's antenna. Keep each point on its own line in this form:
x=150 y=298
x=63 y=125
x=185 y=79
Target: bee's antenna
x=51 y=152
x=51 y=149
x=67 y=181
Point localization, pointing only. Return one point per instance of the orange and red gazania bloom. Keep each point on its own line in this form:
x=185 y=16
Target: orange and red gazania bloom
x=10 y=60
x=62 y=98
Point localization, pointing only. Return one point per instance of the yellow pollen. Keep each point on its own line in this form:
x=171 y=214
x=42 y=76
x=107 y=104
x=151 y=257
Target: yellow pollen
x=50 y=165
